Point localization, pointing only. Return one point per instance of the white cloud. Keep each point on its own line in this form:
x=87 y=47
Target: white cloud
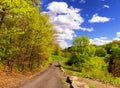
x=118 y=34
x=100 y=41
x=82 y=1
x=106 y=6
x=63 y=43
x=57 y=7
x=87 y=29
x=104 y=40
x=98 y=19
x=116 y=38
x=66 y=20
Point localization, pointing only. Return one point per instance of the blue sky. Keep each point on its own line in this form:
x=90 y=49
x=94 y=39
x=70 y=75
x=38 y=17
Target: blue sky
x=97 y=19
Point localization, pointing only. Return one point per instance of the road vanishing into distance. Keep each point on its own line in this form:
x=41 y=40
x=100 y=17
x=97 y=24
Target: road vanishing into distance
x=50 y=78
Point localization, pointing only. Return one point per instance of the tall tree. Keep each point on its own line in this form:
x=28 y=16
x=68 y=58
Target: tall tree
x=26 y=35
x=80 y=49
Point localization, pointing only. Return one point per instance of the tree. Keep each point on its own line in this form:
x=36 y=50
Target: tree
x=80 y=52
x=80 y=43
x=111 y=45
x=90 y=50
x=57 y=50
x=101 y=52
x=26 y=35
x=114 y=64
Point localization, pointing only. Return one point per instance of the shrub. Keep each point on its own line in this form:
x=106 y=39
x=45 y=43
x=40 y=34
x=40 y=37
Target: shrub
x=96 y=67
x=101 y=52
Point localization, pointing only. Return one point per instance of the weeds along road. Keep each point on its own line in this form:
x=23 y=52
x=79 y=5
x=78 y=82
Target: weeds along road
x=51 y=78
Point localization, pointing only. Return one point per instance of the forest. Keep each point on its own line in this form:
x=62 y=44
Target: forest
x=26 y=35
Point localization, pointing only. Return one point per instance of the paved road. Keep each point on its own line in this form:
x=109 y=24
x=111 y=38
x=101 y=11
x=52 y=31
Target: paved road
x=48 y=79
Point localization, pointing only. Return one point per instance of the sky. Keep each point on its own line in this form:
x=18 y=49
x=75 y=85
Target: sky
x=97 y=19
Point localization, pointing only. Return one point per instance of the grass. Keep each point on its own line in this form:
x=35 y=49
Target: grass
x=64 y=82
x=55 y=57
x=106 y=78
x=91 y=86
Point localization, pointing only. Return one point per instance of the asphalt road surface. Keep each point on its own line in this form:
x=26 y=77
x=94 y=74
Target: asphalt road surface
x=51 y=78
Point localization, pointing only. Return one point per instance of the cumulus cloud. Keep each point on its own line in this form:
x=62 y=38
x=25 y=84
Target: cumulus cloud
x=118 y=34
x=82 y=1
x=66 y=20
x=87 y=29
x=100 y=41
x=106 y=6
x=104 y=40
x=98 y=19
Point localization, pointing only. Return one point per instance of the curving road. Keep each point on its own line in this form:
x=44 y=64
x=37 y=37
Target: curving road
x=48 y=79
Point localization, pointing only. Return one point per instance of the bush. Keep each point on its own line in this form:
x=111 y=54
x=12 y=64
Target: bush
x=77 y=60
x=101 y=52
x=96 y=67
x=116 y=53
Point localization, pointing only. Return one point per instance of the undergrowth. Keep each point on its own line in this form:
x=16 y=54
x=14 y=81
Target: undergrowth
x=105 y=77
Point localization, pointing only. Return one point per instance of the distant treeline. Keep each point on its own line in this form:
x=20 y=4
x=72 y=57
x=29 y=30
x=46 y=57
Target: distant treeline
x=98 y=60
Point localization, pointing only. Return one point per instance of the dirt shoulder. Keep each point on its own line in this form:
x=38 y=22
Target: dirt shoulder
x=98 y=84
x=13 y=79
x=93 y=82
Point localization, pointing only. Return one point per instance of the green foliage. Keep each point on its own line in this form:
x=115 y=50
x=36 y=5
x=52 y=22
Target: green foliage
x=77 y=60
x=116 y=53
x=96 y=67
x=26 y=35
x=87 y=71
x=90 y=50
x=67 y=52
x=55 y=57
x=91 y=86
x=114 y=64
x=80 y=52
x=81 y=41
x=57 y=50
x=113 y=44
x=100 y=52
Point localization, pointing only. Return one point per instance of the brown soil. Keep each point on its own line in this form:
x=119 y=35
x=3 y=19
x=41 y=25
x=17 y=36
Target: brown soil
x=97 y=84
x=10 y=80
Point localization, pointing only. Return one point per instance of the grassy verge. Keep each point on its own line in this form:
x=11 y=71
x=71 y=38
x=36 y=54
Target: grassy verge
x=105 y=78
x=108 y=78
x=91 y=86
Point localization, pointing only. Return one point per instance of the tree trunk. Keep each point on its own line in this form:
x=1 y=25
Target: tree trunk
x=2 y=18
x=30 y=59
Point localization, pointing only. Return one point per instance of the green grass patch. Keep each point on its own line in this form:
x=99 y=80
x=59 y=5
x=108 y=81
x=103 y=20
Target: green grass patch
x=95 y=74
x=55 y=57
x=91 y=86
x=64 y=82
x=108 y=78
